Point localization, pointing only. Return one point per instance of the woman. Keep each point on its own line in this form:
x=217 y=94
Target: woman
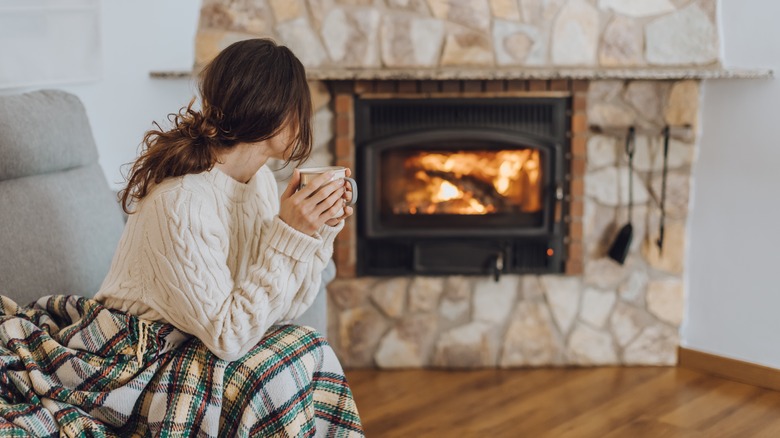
x=209 y=247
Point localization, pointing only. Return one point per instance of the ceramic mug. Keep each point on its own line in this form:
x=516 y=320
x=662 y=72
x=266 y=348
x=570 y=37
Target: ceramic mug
x=339 y=172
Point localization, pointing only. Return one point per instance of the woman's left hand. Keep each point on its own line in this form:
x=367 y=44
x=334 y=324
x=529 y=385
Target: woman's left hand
x=348 y=210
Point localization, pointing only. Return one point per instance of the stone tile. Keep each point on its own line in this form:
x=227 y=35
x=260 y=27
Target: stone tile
x=531 y=339
x=320 y=95
x=493 y=301
x=411 y=42
x=469 y=13
x=352 y=38
x=360 y=330
x=646 y=97
x=208 y=44
x=518 y=44
x=672 y=258
x=588 y=346
x=531 y=288
x=298 y=35
x=408 y=344
x=470 y=346
x=600 y=225
x=322 y=125
x=458 y=288
x=622 y=43
x=682 y=106
x=285 y=10
x=505 y=9
x=253 y=18
x=609 y=186
x=602 y=151
x=656 y=345
x=638 y=8
x=467 y=48
x=390 y=296
x=605 y=91
x=397 y=352
x=665 y=300
x=418 y=6
x=605 y=273
x=453 y=311
x=350 y=293
x=576 y=34
x=215 y=15
x=424 y=293
x=563 y=297
x=318 y=9
x=683 y=38
x=678 y=186
x=596 y=306
x=634 y=288
x=610 y=115
x=649 y=155
x=537 y=12
x=627 y=322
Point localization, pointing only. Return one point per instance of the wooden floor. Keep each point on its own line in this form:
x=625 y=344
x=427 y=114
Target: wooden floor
x=598 y=402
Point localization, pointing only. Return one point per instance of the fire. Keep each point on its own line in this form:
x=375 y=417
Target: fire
x=447 y=192
x=470 y=183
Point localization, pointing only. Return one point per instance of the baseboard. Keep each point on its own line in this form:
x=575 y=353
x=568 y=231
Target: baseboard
x=732 y=369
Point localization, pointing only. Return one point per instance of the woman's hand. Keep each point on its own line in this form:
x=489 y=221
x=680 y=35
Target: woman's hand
x=348 y=211
x=311 y=207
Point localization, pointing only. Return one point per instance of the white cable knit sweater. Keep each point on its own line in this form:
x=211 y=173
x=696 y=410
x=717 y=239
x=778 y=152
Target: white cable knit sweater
x=209 y=255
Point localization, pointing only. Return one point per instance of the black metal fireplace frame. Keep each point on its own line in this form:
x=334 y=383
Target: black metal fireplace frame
x=495 y=246
x=470 y=226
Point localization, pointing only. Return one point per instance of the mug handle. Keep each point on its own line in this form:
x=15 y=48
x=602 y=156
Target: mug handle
x=353 y=183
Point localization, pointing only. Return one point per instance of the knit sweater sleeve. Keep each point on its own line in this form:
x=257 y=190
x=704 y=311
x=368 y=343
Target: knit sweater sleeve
x=191 y=285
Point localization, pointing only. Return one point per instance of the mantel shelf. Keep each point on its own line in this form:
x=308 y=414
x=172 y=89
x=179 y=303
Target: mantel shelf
x=443 y=74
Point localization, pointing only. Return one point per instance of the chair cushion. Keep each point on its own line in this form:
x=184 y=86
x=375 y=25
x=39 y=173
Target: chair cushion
x=41 y=132
x=59 y=221
x=58 y=233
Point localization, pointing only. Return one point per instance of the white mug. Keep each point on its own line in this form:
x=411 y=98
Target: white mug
x=339 y=172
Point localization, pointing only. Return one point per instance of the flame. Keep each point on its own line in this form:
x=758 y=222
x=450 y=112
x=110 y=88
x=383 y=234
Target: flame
x=469 y=183
x=447 y=191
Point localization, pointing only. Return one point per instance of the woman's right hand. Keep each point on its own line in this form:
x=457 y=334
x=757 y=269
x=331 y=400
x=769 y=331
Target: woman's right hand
x=308 y=209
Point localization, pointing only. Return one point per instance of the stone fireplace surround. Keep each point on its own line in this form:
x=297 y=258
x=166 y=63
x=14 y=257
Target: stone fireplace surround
x=621 y=63
x=598 y=312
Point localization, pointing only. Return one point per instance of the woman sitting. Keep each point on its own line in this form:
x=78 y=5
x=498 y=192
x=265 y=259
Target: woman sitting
x=186 y=335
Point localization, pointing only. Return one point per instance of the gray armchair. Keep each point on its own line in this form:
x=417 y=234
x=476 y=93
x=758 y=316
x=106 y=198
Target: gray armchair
x=59 y=220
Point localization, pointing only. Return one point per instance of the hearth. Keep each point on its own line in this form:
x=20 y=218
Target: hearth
x=462 y=185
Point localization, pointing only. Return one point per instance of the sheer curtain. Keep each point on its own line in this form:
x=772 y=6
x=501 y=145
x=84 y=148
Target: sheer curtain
x=45 y=42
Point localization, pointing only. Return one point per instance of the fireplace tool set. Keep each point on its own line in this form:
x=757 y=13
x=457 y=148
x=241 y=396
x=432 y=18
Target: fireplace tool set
x=622 y=243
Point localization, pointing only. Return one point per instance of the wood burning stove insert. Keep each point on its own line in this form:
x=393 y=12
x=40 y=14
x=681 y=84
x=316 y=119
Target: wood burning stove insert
x=465 y=186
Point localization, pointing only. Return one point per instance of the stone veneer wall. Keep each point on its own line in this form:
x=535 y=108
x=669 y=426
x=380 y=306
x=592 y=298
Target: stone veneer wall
x=602 y=313
x=607 y=314
x=431 y=33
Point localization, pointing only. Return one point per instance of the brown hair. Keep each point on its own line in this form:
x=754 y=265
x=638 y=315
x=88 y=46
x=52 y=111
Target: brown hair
x=250 y=92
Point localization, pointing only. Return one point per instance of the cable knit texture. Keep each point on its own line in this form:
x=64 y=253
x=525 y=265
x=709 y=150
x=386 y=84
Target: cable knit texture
x=210 y=255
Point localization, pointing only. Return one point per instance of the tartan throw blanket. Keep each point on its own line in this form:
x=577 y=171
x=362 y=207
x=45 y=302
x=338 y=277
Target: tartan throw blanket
x=73 y=367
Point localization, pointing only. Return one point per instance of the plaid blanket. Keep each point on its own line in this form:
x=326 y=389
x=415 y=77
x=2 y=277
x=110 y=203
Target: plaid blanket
x=72 y=367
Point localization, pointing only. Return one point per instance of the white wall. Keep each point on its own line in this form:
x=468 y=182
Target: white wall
x=733 y=306
x=138 y=36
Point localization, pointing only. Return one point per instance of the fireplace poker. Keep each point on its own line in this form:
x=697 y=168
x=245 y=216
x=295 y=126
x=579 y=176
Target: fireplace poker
x=665 y=171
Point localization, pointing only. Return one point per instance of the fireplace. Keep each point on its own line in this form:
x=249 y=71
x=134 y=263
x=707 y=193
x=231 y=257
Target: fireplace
x=462 y=185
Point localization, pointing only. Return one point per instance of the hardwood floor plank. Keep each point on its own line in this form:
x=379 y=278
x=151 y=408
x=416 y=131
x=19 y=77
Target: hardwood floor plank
x=653 y=428
x=541 y=411
x=711 y=407
x=560 y=403
x=760 y=415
